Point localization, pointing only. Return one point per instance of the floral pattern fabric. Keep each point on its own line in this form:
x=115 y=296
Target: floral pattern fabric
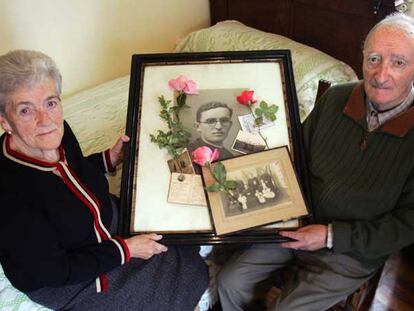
x=309 y=65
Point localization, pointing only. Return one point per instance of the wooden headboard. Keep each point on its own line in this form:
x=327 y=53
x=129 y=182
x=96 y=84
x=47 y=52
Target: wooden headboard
x=336 y=27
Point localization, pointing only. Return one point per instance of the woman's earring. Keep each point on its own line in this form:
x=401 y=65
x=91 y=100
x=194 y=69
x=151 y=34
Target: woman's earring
x=9 y=132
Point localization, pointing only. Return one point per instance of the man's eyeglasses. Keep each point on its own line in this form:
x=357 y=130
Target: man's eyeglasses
x=212 y=122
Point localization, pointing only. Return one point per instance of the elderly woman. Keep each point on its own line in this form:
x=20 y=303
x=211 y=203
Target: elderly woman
x=57 y=219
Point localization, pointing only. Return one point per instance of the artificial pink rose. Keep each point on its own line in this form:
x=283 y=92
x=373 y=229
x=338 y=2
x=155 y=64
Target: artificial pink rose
x=182 y=84
x=190 y=88
x=203 y=155
x=246 y=98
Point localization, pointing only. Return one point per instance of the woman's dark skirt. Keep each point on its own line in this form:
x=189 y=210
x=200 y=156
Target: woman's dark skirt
x=174 y=280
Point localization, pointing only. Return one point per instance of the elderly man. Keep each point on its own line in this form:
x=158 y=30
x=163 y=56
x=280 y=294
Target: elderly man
x=213 y=123
x=359 y=142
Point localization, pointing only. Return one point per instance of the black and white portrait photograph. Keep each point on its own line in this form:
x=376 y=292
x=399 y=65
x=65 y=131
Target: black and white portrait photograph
x=247 y=142
x=212 y=119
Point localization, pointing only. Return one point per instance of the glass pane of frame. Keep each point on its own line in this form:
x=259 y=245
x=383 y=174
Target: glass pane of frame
x=220 y=76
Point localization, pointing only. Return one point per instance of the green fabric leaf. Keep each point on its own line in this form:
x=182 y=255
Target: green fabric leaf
x=230 y=184
x=258 y=112
x=263 y=105
x=270 y=116
x=219 y=172
x=181 y=98
x=259 y=121
x=213 y=188
x=273 y=109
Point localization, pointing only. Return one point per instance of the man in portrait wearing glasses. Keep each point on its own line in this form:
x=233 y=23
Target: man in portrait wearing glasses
x=213 y=122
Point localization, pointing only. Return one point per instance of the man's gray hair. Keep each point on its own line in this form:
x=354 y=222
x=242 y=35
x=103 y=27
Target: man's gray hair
x=398 y=20
x=22 y=68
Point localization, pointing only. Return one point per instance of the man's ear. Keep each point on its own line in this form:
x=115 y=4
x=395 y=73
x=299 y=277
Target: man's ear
x=197 y=126
x=4 y=123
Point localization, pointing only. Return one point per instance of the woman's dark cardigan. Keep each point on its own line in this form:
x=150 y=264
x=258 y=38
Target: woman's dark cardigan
x=47 y=236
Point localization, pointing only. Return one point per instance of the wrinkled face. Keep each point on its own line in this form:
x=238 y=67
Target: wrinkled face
x=35 y=117
x=214 y=125
x=388 y=66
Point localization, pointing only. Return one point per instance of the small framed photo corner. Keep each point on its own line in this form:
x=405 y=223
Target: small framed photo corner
x=179 y=102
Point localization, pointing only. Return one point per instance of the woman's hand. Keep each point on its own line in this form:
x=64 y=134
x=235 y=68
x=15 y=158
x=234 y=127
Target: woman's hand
x=144 y=246
x=117 y=151
x=308 y=238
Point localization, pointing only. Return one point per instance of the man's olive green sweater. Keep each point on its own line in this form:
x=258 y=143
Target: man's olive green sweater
x=362 y=183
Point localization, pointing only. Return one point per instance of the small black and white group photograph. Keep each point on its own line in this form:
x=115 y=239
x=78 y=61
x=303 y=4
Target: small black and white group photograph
x=265 y=190
x=257 y=188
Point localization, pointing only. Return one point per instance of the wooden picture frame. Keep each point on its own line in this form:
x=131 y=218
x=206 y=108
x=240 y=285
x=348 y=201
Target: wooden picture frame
x=267 y=192
x=145 y=180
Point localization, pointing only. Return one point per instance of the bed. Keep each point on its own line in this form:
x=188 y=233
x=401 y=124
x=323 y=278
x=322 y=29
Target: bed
x=324 y=38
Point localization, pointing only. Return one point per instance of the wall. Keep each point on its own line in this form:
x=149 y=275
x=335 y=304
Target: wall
x=92 y=40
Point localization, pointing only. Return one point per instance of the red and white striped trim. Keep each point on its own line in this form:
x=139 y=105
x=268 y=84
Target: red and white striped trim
x=28 y=161
x=123 y=249
x=72 y=181
x=85 y=195
x=106 y=155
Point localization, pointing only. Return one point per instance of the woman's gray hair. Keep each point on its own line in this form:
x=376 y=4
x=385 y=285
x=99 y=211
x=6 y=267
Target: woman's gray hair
x=399 y=20
x=22 y=68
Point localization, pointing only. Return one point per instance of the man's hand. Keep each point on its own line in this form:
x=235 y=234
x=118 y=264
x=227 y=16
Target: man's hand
x=144 y=246
x=309 y=238
x=117 y=152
